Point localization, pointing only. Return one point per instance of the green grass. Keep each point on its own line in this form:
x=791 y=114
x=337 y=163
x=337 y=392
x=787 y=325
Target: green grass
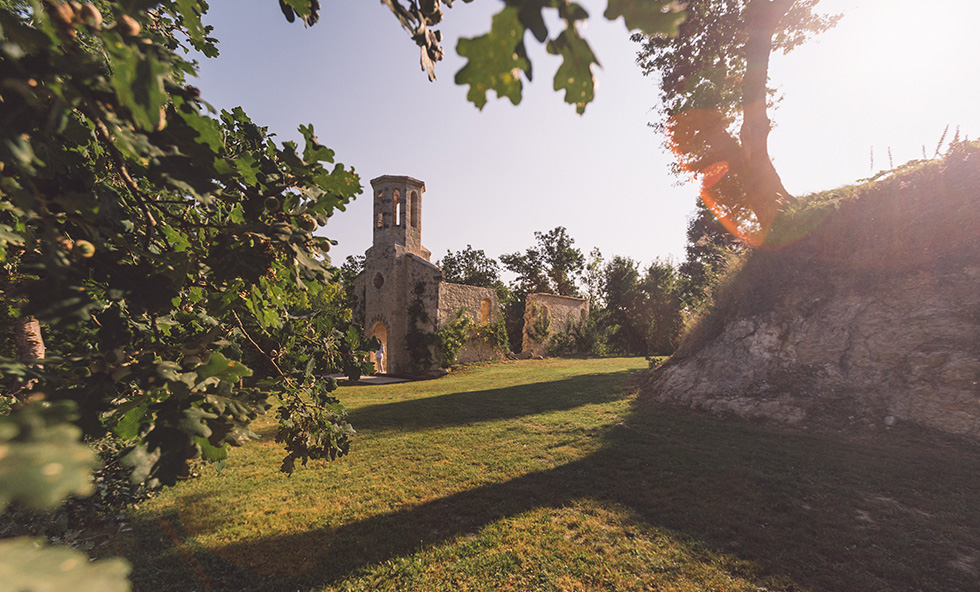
x=549 y=475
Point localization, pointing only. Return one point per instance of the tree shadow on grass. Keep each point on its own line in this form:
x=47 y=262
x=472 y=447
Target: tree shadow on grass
x=468 y=407
x=455 y=409
x=830 y=511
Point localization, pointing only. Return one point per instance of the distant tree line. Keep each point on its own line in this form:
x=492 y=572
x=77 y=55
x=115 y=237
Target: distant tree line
x=633 y=310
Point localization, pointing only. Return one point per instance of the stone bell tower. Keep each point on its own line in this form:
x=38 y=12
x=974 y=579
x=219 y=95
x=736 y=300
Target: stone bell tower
x=398 y=213
x=402 y=296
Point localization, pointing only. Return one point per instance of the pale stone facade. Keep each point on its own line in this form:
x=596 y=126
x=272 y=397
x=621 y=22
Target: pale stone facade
x=481 y=305
x=399 y=282
x=548 y=314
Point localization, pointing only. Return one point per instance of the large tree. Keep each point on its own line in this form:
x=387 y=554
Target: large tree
x=176 y=248
x=624 y=300
x=472 y=267
x=715 y=97
x=551 y=266
x=708 y=252
x=643 y=313
x=663 y=308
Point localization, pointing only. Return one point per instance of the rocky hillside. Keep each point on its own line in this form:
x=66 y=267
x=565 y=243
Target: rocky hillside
x=871 y=314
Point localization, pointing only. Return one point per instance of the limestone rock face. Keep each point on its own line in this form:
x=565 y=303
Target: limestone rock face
x=875 y=313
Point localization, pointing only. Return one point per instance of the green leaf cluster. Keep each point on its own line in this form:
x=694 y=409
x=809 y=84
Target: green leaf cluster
x=494 y=333
x=540 y=328
x=498 y=60
x=171 y=253
x=451 y=337
x=28 y=562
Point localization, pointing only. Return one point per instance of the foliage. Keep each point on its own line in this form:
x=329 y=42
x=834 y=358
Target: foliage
x=593 y=279
x=592 y=336
x=643 y=314
x=551 y=266
x=529 y=268
x=494 y=333
x=707 y=251
x=664 y=308
x=624 y=301
x=451 y=337
x=563 y=343
x=42 y=462
x=60 y=568
x=419 y=339
x=175 y=245
x=714 y=79
x=498 y=61
x=472 y=267
x=540 y=328
x=352 y=267
x=563 y=262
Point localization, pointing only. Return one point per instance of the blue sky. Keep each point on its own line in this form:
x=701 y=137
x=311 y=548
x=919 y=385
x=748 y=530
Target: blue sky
x=893 y=74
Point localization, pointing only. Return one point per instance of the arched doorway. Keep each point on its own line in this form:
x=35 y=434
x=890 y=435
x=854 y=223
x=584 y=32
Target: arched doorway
x=381 y=332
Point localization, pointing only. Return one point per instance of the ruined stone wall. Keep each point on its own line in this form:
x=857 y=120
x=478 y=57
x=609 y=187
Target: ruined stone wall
x=558 y=313
x=481 y=305
x=390 y=276
x=872 y=317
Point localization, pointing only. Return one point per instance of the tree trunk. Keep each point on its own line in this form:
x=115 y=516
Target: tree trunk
x=27 y=336
x=764 y=190
x=30 y=347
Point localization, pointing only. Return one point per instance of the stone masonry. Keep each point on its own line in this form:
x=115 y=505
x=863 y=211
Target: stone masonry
x=547 y=314
x=398 y=273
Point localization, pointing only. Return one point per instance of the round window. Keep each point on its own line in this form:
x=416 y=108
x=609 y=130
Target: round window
x=379 y=280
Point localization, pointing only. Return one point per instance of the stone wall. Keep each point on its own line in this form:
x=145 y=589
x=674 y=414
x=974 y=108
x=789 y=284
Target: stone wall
x=481 y=305
x=558 y=314
x=385 y=287
x=874 y=316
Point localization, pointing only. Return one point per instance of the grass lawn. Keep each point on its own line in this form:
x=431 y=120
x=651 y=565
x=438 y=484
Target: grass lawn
x=548 y=475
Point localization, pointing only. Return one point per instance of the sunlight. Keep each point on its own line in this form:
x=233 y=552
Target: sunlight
x=892 y=74
x=887 y=42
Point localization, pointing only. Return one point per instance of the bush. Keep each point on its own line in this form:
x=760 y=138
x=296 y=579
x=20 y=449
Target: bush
x=451 y=337
x=562 y=344
x=495 y=334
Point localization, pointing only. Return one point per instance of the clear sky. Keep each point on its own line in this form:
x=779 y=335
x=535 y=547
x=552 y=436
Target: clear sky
x=893 y=74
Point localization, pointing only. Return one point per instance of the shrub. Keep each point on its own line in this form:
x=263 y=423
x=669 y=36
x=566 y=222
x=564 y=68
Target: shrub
x=562 y=344
x=451 y=337
x=495 y=334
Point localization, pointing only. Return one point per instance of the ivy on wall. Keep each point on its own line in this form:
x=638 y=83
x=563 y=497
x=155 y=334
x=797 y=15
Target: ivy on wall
x=540 y=326
x=452 y=336
x=495 y=334
x=419 y=342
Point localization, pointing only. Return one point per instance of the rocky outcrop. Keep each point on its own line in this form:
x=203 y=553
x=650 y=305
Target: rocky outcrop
x=875 y=313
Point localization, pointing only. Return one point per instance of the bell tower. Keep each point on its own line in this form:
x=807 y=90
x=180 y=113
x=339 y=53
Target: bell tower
x=398 y=213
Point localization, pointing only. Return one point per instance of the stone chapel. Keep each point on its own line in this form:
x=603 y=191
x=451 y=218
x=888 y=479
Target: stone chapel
x=398 y=277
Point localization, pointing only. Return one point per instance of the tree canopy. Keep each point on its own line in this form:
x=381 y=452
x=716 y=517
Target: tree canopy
x=471 y=267
x=169 y=252
x=498 y=60
x=551 y=266
x=715 y=96
x=166 y=252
